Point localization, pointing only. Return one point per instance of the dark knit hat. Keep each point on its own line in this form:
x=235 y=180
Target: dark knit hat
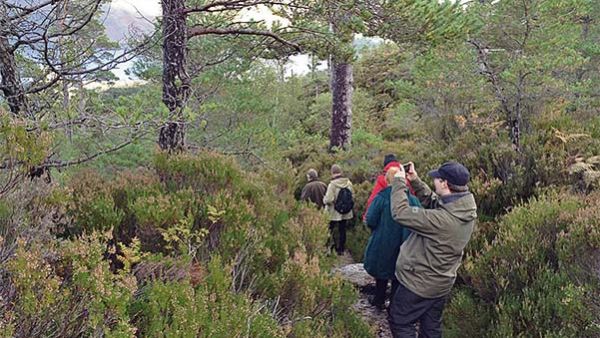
x=389 y=158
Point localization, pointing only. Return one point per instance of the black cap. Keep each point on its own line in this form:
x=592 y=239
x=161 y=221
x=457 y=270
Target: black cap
x=453 y=172
x=389 y=158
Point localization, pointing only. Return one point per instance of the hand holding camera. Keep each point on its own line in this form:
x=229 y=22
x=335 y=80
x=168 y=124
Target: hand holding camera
x=410 y=172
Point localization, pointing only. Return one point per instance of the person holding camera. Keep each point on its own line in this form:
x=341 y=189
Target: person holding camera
x=429 y=258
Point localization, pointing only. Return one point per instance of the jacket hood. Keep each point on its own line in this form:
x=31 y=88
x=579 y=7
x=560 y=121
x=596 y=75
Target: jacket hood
x=463 y=208
x=341 y=182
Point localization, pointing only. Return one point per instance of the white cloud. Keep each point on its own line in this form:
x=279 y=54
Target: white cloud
x=146 y=7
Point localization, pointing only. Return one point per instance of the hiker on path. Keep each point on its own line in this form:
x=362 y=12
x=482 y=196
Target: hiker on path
x=314 y=190
x=339 y=203
x=384 y=243
x=430 y=257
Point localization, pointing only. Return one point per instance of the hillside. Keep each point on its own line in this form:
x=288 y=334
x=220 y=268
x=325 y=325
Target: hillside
x=177 y=207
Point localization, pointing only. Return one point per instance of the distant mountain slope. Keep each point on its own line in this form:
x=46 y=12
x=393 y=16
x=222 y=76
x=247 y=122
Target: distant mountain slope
x=119 y=18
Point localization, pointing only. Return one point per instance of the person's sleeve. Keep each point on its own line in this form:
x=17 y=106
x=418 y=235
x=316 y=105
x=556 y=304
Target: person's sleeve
x=374 y=213
x=304 y=195
x=413 y=202
x=405 y=233
x=329 y=196
x=424 y=193
x=422 y=221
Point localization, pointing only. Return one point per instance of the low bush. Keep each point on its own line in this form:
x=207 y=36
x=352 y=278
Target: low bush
x=64 y=289
x=214 y=250
x=534 y=273
x=212 y=309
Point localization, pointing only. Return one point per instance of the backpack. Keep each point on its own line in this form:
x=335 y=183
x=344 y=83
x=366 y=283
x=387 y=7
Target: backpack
x=344 y=202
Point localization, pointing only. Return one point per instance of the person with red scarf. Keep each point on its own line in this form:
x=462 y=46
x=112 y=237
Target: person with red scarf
x=389 y=161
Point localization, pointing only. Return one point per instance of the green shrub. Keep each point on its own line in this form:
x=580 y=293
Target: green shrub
x=91 y=205
x=531 y=272
x=65 y=289
x=356 y=240
x=315 y=302
x=525 y=243
x=204 y=172
x=577 y=246
x=237 y=225
x=551 y=306
x=169 y=309
x=465 y=315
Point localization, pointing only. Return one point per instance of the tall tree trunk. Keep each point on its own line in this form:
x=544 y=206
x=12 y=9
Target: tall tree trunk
x=314 y=63
x=176 y=82
x=65 y=93
x=82 y=97
x=11 y=85
x=341 y=81
x=341 y=114
x=61 y=14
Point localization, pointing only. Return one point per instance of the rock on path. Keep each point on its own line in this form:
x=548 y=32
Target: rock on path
x=356 y=274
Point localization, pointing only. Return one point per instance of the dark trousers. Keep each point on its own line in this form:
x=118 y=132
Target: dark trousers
x=339 y=241
x=407 y=309
x=381 y=288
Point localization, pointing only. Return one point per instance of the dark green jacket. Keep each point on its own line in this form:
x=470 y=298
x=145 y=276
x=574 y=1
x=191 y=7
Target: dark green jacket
x=430 y=257
x=387 y=236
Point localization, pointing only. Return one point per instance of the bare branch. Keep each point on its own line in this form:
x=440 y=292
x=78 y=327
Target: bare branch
x=198 y=31
x=62 y=164
x=26 y=10
x=229 y=5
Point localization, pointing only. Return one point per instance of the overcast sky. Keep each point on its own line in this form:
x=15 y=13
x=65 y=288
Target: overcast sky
x=297 y=64
x=147 y=7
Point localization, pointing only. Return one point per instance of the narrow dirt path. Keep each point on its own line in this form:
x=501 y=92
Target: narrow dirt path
x=356 y=274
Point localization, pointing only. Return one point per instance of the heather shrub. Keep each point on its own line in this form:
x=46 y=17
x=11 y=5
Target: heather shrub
x=203 y=249
x=577 y=247
x=524 y=243
x=89 y=204
x=356 y=240
x=64 y=289
x=465 y=315
x=211 y=309
x=314 y=303
x=551 y=306
x=532 y=272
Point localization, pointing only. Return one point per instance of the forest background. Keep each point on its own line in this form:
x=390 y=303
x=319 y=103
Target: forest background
x=169 y=208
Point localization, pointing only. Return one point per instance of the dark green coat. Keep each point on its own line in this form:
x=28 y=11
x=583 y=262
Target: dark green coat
x=386 y=238
x=429 y=259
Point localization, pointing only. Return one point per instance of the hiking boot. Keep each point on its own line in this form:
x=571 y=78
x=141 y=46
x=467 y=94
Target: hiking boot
x=376 y=303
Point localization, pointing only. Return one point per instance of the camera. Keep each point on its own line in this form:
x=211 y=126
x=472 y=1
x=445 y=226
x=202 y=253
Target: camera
x=406 y=167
